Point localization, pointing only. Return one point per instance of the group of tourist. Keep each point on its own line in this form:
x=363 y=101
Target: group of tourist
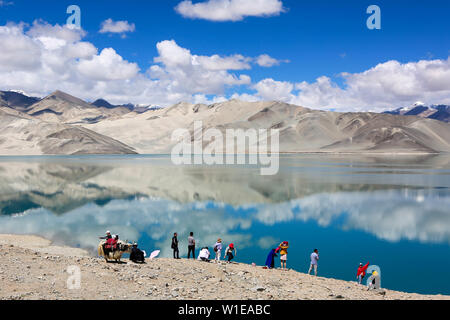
x=282 y=251
x=204 y=254
x=230 y=253
x=137 y=255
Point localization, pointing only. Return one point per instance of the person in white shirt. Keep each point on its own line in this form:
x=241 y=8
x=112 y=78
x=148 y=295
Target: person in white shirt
x=204 y=254
x=314 y=262
x=218 y=249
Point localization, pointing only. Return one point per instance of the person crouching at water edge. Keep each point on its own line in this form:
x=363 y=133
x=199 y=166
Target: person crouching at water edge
x=211 y=147
x=314 y=262
x=229 y=252
x=218 y=250
x=204 y=254
x=137 y=255
x=282 y=248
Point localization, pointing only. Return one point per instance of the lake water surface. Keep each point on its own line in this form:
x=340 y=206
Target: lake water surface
x=391 y=211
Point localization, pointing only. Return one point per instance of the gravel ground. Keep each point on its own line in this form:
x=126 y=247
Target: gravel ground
x=33 y=268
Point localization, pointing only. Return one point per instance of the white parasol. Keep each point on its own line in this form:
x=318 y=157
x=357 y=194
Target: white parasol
x=154 y=254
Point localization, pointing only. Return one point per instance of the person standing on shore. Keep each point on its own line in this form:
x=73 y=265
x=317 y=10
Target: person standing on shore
x=191 y=245
x=361 y=272
x=218 y=249
x=314 y=262
x=176 y=252
x=229 y=252
x=270 y=261
x=283 y=254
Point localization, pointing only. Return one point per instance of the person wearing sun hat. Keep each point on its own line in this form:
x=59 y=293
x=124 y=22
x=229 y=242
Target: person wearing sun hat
x=283 y=254
x=230 y=252
x=218 y=249
x=107 y=236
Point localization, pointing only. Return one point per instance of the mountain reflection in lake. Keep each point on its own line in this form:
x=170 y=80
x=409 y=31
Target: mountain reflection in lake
x=393 y=212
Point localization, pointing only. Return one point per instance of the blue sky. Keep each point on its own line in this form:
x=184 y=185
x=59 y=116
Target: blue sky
x=319 y=39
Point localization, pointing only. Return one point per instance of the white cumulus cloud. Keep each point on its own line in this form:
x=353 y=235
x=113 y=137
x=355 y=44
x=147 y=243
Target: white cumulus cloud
x=111 y=26
x=387 y=85
x=229 y=10
x=265 y=60
x=269 y=89
x=42 y=58
x=108 y=65
x=182 y=71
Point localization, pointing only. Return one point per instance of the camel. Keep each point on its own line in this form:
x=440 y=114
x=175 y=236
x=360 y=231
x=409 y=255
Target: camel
x=123 y=247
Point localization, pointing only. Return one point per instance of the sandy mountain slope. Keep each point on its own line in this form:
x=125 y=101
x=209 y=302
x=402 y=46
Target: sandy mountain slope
x=22 y=135
x=301 y=129
x=64 y=108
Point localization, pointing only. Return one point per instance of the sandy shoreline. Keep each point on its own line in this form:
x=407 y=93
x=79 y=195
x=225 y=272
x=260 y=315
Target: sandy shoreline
x=33 y=268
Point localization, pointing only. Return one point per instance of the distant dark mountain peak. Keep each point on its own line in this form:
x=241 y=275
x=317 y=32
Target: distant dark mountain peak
x=436 y=112
x=16 y=100
x=128 y=106
x=102 y=103
x=416 y=111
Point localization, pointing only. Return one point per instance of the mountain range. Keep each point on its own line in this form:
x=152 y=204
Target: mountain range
x=437 y=112
x=63 y=124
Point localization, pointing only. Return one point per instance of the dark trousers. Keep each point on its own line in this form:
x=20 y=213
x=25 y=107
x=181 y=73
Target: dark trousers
x=230 y=256
x=191 y=249
x=176 y=253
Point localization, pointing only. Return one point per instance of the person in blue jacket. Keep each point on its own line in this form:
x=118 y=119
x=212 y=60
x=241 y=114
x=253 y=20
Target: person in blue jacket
x=270 y=261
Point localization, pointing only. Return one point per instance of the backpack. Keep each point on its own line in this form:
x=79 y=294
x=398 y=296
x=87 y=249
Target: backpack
x=215 y=248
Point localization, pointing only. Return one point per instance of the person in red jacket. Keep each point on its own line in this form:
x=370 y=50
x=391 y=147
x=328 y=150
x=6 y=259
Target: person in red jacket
x=115 y=242
x=361 y=273
x=111 y=244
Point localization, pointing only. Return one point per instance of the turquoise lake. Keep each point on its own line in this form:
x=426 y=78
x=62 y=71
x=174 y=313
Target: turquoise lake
x=391 y=211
